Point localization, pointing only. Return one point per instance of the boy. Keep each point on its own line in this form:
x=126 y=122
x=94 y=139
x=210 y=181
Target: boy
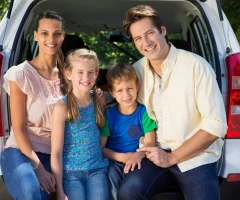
x=125 y=124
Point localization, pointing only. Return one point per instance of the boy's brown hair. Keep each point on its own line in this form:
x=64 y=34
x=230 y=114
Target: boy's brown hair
x=139 y=12
x=121 y=72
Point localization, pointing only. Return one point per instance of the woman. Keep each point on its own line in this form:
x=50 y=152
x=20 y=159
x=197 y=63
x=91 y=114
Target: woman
x=34 y=88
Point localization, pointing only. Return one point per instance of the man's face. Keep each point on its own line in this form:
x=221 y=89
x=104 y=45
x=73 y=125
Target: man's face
x=148 y=40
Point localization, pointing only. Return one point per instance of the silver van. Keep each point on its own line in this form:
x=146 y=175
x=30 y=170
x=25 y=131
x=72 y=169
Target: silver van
x=199 y=26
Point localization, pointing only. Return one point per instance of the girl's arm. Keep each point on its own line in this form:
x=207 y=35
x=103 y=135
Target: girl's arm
x=18 y=117
x=59 y=117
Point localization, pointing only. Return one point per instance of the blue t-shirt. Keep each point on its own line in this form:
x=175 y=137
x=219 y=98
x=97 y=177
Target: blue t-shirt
x=124 y=131
x=82 y=148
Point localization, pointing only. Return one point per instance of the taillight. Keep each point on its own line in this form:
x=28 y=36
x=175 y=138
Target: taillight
x=233 y=108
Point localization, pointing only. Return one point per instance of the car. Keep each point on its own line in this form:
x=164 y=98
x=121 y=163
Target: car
x=199 y=26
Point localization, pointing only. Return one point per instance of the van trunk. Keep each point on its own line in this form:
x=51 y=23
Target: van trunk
x=97 y=25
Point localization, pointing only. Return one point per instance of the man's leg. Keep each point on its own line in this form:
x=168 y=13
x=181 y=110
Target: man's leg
x=200 y=183
x=143 y=183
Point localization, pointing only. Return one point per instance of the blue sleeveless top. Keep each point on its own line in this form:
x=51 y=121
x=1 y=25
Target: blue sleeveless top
x=82 y=148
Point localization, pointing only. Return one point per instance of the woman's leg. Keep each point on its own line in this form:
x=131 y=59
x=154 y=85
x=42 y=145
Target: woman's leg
x=19 y=175
x=74 y=184
x=97 y=185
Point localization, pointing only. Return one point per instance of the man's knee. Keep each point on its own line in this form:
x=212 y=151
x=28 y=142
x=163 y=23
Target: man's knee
x=131 y=191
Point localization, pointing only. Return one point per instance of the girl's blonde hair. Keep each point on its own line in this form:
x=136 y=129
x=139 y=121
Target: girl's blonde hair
x=72 y=107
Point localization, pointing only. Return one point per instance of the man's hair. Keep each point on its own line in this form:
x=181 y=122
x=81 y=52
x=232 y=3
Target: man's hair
x=121 y=72
x=139 y=12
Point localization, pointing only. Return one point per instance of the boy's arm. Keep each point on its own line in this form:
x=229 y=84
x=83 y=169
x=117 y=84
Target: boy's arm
x=108 y=153
x=57 y=138
x=121 y=157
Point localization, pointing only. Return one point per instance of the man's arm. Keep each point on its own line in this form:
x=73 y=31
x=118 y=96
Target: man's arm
x=192 y=147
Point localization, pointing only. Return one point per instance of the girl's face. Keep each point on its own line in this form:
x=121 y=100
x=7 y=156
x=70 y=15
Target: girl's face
x=83 y=75
x=49 y=35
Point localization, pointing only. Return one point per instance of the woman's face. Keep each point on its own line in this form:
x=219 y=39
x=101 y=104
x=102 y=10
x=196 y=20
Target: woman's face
x=49 y=36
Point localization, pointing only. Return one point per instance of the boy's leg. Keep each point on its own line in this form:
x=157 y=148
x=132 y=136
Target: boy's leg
x=143 y=183
x=97 y=185
x=200 y=183
x=20 y=178
x=115 y=177
x=74 y=185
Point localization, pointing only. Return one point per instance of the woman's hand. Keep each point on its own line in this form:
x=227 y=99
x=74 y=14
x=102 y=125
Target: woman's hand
x=46 y=180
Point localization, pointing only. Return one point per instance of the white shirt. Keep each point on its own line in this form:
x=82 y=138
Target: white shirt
x=191 y=100
x=156 y=105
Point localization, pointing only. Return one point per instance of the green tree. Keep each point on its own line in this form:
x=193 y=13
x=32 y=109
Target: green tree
x=232 y=10
x=3 y=7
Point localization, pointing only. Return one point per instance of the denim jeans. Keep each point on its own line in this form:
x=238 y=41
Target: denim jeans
x=19 y=176
x=200 y=183
x=86 y=185
x=115 y=177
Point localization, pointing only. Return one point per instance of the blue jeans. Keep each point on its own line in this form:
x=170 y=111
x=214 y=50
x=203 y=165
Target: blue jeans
x=200 y=183
x=115 y=177
x=19 y=176
x=86 y=185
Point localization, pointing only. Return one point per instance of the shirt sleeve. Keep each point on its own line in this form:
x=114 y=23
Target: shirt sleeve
x=148 y=123
x=209 y=100
x=105 y=129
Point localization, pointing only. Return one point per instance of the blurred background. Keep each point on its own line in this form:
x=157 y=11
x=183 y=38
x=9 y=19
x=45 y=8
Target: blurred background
x=230 y=7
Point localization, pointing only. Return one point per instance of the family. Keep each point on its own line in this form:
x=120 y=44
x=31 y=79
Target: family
x=65 y=141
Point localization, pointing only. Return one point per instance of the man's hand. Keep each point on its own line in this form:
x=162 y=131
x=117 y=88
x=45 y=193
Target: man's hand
x=158 y=156
x=101 y=96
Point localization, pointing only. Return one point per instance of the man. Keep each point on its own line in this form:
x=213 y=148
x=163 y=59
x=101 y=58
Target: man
x=180 y=92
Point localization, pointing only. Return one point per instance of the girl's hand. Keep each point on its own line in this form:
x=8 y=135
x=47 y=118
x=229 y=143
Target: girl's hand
x=133 y=161
x=46 y=180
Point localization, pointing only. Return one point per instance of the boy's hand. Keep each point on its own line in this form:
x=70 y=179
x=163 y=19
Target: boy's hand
x=133 y=161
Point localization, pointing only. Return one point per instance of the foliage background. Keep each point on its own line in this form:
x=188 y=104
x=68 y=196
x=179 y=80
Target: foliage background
x=230 y=7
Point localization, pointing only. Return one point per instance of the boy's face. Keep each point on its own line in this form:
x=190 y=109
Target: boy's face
x=125 y=92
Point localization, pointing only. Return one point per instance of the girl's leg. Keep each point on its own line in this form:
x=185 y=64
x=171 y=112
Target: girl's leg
x=74 y=185
x=19 y=176
x=97 y=185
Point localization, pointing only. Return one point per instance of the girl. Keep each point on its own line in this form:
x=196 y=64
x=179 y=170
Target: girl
x=76 y=160
x=34 y=88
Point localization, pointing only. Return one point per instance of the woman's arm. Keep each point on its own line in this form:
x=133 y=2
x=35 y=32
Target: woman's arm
x=18 y=117
x=59 y=117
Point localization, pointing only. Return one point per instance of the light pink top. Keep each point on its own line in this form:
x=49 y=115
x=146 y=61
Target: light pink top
x=42 y=94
